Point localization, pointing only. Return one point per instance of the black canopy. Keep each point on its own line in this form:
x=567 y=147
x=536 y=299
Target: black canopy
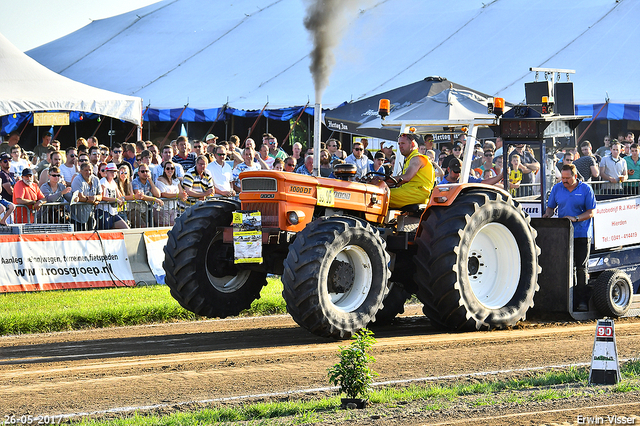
x=348 y=117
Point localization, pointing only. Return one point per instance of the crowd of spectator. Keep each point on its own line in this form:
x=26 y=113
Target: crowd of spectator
x=612 y=169
x=140 y=184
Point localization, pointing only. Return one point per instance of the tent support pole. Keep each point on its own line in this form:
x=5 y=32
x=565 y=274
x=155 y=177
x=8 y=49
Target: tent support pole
x=256 y=122
x=26 y=123
x=56 y=135
x=222 y=110
x=592 y=121
x=96 y=130
x=174 y=125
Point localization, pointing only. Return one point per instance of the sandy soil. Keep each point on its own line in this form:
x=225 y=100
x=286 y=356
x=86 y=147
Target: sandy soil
x=177 y=366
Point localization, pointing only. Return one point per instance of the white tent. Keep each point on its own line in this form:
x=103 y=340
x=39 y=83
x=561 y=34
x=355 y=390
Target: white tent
x=248 y=52
x=27 y=86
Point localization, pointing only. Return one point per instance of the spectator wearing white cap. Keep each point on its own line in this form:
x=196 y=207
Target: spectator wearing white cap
x=107 y=212
x=387 y=150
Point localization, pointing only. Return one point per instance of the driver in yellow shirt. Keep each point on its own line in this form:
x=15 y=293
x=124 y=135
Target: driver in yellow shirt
x=417 y=178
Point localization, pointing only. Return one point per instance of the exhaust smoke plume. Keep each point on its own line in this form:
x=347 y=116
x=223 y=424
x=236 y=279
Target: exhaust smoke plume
x=326 y=20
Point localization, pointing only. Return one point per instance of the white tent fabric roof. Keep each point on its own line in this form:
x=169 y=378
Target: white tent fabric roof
x=248 y=52
x=26 y=86
x=451 y=107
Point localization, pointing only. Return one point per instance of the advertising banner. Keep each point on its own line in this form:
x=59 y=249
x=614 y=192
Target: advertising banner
x=247 y=237
x=61 y=261
x=614 y=223
x=155 y=241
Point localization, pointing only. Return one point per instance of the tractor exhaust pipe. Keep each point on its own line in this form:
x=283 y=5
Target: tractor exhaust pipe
x=317 y=133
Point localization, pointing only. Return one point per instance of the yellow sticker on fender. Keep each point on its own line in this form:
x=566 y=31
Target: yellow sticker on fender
x=325 y=197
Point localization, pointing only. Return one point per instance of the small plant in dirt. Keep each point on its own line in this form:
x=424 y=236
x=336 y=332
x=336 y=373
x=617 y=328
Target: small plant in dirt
x=353 y=374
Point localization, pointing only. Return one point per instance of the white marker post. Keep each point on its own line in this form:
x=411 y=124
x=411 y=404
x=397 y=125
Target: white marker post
x=604 y=360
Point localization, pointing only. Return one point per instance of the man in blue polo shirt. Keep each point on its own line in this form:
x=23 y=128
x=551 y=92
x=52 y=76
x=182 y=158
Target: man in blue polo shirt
x=576 y=202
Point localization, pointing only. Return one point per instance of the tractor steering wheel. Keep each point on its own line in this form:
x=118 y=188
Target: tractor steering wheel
x=382 y=176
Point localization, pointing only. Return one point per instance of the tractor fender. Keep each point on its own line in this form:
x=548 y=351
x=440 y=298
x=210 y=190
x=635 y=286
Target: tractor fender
x=445 y=195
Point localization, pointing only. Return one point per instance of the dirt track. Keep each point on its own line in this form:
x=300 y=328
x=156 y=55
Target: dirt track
x=93 y=370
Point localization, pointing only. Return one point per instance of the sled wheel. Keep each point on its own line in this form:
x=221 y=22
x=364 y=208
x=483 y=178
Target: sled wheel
x=612 y=293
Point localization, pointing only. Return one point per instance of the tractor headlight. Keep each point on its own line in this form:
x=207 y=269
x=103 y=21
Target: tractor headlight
x=294 y=217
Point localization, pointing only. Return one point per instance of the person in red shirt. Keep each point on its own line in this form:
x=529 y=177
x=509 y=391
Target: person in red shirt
x=27 y=193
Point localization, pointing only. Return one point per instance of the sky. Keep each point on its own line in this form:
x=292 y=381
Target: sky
x=32 y=23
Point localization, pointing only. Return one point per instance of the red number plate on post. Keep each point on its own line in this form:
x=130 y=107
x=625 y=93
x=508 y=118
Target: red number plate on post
x=604 y=331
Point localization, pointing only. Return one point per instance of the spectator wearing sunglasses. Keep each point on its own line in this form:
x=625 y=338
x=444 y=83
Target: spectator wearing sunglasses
x=456 y=152
x=358 y=159
x=289 y=165
x=167 y=155
x=70 y=166
x=27 y=193
x=116 y=154
x=55 y=191
x=486 y=165
x=222 y=173
x=272 y=143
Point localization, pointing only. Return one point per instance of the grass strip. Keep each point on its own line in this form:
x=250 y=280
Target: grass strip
x=541 y=387
x=47 y=311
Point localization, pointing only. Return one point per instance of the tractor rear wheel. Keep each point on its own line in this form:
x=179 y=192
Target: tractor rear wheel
x=199 y=266
x=477 y=262
x=393 y=305
x=335 y=276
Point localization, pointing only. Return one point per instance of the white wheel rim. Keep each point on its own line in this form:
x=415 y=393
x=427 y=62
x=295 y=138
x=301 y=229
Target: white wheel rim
x=230 y=283
x=620 y=295
x=354 y=296
x=493 y=265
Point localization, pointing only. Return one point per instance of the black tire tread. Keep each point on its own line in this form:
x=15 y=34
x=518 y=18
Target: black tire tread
x=442 y=230
x=185 y=268
x=601 y=293
x=301 y=278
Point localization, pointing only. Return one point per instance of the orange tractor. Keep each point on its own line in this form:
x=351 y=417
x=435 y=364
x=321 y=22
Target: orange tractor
x=347 y=260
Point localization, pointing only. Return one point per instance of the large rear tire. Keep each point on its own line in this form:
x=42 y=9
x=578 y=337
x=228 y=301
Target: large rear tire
x=477 y=262
x=612 y=293
x=335 y=276
x=199 y=266
x=393 y=305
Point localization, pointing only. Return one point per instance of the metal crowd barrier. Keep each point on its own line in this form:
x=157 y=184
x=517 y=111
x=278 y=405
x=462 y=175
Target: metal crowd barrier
x=615 y=189
x=137 y=214
x=602 y=190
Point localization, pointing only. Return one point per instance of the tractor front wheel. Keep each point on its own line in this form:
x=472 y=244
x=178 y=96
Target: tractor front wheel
x=335 y=276
x=199 y=266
